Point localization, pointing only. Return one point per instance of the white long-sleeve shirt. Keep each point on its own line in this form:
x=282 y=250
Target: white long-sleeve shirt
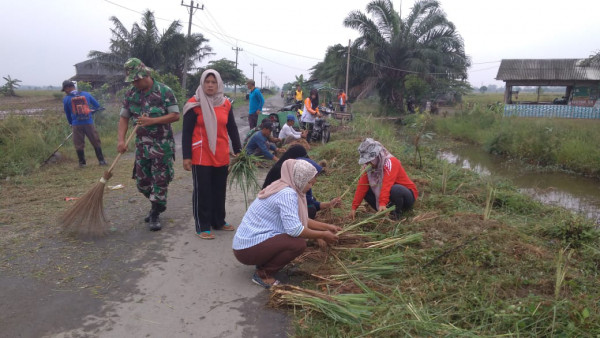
x=289 y=131
x=269 y=217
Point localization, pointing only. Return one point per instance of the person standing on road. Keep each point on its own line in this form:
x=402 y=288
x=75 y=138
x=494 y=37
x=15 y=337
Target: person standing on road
x=153 y=107
x=342 y=100
x=208 y=125
x=311 y=112
x=256 y=102
x=385 y=184
x=79 y=107
x=299 y=95
x=273 y=230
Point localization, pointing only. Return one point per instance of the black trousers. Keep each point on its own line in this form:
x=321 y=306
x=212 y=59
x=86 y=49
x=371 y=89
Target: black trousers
x=400 y=196
x=208 y=200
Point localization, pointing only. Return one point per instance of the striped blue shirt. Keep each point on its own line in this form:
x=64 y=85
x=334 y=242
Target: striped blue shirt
x=269 y=217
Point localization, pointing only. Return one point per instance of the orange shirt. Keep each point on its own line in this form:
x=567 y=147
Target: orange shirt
x=201 y=154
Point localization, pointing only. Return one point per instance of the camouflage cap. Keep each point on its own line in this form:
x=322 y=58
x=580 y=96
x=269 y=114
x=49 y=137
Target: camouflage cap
x=135 y=69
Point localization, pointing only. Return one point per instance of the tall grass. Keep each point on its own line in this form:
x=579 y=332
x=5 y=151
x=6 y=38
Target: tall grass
x=468 y=274
x=563 y=143
x=26 y=141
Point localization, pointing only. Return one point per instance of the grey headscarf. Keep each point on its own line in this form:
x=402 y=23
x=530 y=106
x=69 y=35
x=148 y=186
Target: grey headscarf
x=370 y=150
x=208 y=104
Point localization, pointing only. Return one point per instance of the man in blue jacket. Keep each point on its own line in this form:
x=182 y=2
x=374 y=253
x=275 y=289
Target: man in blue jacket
x=79 y=107
x=256 y=103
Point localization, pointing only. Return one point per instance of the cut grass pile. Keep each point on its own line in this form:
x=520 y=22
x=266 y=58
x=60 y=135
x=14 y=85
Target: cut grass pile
x=474 y=257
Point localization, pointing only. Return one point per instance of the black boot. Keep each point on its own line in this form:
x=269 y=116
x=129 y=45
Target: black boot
x=153 y=217
x=81 y=156
x=99 y=155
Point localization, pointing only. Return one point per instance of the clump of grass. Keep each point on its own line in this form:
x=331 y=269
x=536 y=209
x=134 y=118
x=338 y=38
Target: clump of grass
x=242 y=173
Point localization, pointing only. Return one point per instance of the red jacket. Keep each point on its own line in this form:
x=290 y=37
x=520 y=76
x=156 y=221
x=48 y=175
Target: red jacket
x=393 y=173
x=201 y=154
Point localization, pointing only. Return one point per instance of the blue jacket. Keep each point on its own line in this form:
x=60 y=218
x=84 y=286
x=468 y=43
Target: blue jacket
x=71 y=116
x=259 y=141
x=256 y=101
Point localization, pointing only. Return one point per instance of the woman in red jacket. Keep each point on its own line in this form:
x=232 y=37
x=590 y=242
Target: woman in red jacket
x=208 y=124
x=385 y=183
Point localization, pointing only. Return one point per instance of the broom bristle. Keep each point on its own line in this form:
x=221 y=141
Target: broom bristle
x=86 y=217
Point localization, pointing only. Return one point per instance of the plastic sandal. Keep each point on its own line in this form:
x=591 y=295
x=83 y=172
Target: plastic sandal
x=228 y=227
x=257 y=280
x=206 y=235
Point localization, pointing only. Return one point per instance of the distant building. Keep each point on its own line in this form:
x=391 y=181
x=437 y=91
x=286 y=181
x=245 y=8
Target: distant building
x=97 y=74
x=581 y=83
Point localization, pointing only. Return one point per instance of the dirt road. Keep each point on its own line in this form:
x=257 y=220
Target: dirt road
x=172 y=283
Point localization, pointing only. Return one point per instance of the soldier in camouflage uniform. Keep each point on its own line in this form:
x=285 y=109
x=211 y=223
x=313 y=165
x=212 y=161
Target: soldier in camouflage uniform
x=153 y=107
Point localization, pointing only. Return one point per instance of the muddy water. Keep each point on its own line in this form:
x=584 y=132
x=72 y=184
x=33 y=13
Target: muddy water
x=573 y=192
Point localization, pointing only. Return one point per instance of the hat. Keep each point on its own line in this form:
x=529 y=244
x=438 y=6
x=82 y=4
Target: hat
x=267 y=125
x=67 y=84
x=291 y=117
x=369 y=149
x=314 y=164
x=135 y=69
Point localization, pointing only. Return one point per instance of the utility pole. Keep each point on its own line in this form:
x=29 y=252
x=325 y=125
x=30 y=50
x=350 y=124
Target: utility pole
x=261 y=73
x=347 y=68
x=253 y=65
x=191 y=9
x=237 y=50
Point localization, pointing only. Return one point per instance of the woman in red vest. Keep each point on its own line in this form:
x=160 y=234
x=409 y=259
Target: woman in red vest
x=208 y=124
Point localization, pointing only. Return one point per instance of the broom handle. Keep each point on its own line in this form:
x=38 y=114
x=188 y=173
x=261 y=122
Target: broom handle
x=126 y=143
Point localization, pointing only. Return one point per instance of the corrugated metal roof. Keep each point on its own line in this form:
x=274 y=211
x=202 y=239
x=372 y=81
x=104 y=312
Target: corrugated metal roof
x=546 y=69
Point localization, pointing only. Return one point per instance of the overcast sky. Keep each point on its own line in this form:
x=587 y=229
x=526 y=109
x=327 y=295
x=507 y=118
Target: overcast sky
x=42 y=40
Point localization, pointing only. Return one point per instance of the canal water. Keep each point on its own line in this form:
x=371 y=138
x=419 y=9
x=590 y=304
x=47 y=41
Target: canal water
x=573 y=192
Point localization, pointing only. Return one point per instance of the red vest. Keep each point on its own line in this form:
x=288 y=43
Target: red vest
x=201 y=154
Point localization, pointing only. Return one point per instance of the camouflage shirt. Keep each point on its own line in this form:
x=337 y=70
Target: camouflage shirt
x=157 y=102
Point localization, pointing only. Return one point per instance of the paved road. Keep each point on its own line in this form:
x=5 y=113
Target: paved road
x=197 y=289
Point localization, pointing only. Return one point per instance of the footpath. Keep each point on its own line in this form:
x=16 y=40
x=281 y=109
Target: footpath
x=173 y=284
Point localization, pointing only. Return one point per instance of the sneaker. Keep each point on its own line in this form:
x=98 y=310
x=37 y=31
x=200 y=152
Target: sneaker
x=102 y=163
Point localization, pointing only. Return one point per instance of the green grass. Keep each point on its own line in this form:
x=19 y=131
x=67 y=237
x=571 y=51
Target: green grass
x=483 y=265
x=567 y=144
x=27 y=141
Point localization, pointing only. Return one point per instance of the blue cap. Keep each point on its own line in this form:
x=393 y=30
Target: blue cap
x=291 y=117
x=318 y=167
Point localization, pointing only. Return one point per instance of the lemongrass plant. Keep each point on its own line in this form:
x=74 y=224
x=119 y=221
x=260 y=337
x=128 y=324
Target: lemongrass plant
x=242 y=173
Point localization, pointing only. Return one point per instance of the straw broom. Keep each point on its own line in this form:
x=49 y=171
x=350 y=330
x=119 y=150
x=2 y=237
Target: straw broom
x=86 y=217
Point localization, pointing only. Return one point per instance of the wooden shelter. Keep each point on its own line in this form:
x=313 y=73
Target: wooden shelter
x=97 y=73
x=582 y=85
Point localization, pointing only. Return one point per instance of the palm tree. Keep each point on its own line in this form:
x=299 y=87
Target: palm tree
x=425 y=43
x=164 y=52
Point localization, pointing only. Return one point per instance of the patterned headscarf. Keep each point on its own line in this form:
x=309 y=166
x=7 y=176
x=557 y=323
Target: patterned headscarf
x=207 y=104
x=371 y=150
x=294 y=174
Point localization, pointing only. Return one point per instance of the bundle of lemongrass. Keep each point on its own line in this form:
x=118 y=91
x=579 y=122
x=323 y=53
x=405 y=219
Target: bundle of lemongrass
x=374 y=217
x=394 y=241
x=345 y=308
x=380 y=266
x=242 y=173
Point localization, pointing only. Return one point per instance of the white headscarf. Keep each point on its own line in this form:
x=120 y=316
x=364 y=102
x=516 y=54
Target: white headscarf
x=207 y=104
x=294 y=174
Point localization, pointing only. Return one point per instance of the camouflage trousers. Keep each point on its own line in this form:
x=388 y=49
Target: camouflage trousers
x=153 y=170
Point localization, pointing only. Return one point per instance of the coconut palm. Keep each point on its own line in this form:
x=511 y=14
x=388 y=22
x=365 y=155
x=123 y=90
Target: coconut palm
x=424 y=43
x=165 y=52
